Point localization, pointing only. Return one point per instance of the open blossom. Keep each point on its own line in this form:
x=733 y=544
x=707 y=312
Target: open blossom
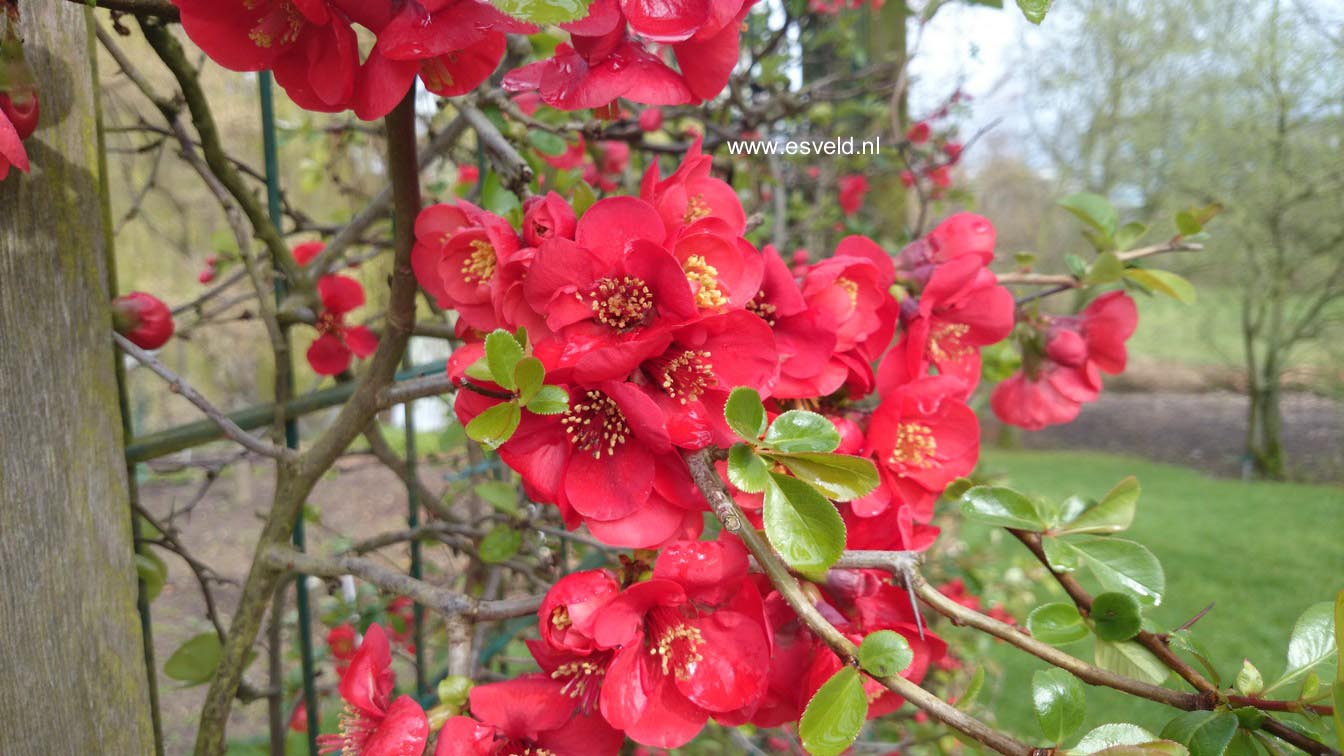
x=338 y=342
x=531 y=714
x=12 y=152
x=373 y=724
x=853 y=189
x=1052 y=387
x=143 y=319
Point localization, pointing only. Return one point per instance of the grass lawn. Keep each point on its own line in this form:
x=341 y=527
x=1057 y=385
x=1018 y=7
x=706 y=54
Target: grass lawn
x=1263 y=552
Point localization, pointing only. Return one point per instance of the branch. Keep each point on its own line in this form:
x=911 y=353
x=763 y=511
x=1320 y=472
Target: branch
x=145 y=8
x=179 y=386
x=1070 y=282
x=513 y=169
x=445 y=602
x=707 y=479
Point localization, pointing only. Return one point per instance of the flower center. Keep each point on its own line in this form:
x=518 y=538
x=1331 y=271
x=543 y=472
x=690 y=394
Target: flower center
x=762 y=309
x=582 y=682
x=479 y=266
x=355 y=730
x=435 y=72
x=851 y=288
x=595 y=424
x=915 y=445
x=945 y=343
x=560 y=618
x=281 y=26
x=685 y=376
x=708 y=295
x=678 y=649
x=621 y=303
x=330 y=322
x=696 y=209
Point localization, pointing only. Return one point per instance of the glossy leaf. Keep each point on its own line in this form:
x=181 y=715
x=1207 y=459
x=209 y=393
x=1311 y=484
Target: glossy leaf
x=1092 y=209
x=1163 y=282
x=1114 y=513
x=1034 y=10
x=1111 y=735
x=1205 y=733
x=1151 y=748
x=746 y=470
x=995 y=505
x=802 y=431
x=803 y=526
x=1107 y=268
x=495 y=425
x=885 y=653
x=1117 y=616
x=1059 y=702
x=1130 y=660
x=835 y=715
x=528 y=376
x=1249 y=680
x=194 y=662
x=1312 y=643
x=502 y=353
x=500 y=544
x=745 y=413
x=550 y=400
x=839 y=477
x=1056 y=624
x=1119 y=565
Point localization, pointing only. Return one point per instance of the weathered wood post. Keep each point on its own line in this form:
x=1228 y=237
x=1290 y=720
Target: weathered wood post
x=72 y=668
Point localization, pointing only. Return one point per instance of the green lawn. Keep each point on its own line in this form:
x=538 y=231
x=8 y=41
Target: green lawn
x=1262 y=552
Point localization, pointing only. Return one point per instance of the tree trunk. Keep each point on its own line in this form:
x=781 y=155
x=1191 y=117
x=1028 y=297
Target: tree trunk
x=73 y=676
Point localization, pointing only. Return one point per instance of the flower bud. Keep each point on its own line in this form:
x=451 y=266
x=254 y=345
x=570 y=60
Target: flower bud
x=21 y=107
x=651 y=119
x=142 y=318
x=1066 y=346
x=547 y=217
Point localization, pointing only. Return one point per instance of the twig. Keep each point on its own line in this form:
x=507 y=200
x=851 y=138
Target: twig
x=513 y=170
x=179 y=386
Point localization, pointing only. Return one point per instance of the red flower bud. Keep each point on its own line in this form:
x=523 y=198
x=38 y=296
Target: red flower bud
x=919 y=133
x=651 y=119
x=142 y=318
x=22 y=109
x=468 y=175
x=206 y=275
x=1067 y=347
x=953 y=151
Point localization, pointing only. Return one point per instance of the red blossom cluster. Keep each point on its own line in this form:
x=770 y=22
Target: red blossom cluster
x=619 y=50
x=337 y=341
x=931 y=152
x=19 y=108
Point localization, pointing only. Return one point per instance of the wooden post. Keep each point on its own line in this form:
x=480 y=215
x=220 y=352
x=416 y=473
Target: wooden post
x=73 y=676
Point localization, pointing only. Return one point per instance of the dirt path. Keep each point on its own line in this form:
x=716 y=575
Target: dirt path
x=1202 y=430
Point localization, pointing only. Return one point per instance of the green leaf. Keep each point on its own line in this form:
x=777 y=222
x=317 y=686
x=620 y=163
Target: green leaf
x=1119 y=565
x=453 y=690
x=996 y=505
x=1205 y=733
x=1187 y=223
x=583 y=198
x=745 y=413
x=802 y=431
x=153 y=573
x=973 y=689
x=500 y=544
x=1112 y=735
x=835 y=714
x=528 y=375
x=1312 y=643
x=495 y=425
x=546 y=142
x=1249 y=680
x=839 y=477
x=495 y=197
x=1059 y=701
x=1114 y=513
x=194 y=662
x=502 y=354
x=550 y=400
x=1092 y=209
x=1034 y=10
x=1129 y=234
x=480 y=371
x=746 y=470
x=803 y=526
x=500 y=495
x=1117 y=616
x=1131 y=660
x=1056 y=624
x=1107 y=268
x=1077 y=266
x=885 y=653
x=1337 y=690
x=1163 y=282
x=1151 y=748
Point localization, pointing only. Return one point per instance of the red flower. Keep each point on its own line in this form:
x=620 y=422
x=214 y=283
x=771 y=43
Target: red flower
x=691 y=194
x=952 y=150
x=574 y=80
x=852 y=191
x=923 y=436
x=337 y=342
x=960 y=234
x=918 y=133
x=907 y=179
x=143 y=319
x=305 y=252
x=570 y=609
x=207 y=275
x=941 y=176
x=650 y=119
x=12 y=152
x=22 y=109
x=529 y=714
x=547 y=217
x=468 y=175
x=459 y=248
x=370 y=726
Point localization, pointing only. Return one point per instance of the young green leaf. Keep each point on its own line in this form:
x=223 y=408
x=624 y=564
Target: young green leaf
x=802 y=431
x=583 y=198
x=1119 y=565
x=1107 y=268
x=1249 y=680
x=747 y=471
x=1056 y=624
x=500 y=544
x=495 y=425
x=528 y=375
x=194 y=662
x=803 y=526
x=1117 y=616
x=1205 y=733
x=550 y=400
x=745 y=413
x=839 y=477
x=502 y=354
x=973 y=689
x=835 y=715
x=1312 y=643
x=1092 y=209
x=1131 y=660
x=1059 y=701
x=1187 y=223
x=996 y=505
x=885 y=653
x=1129 y=234
x=1114 y=513
x=1110 y=736
x=153 y=573
x=500 y=495
x=1163 y=282
x=1034 y=10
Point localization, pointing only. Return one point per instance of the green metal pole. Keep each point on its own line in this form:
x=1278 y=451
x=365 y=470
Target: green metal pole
x=284 y=393
x=413 y=520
